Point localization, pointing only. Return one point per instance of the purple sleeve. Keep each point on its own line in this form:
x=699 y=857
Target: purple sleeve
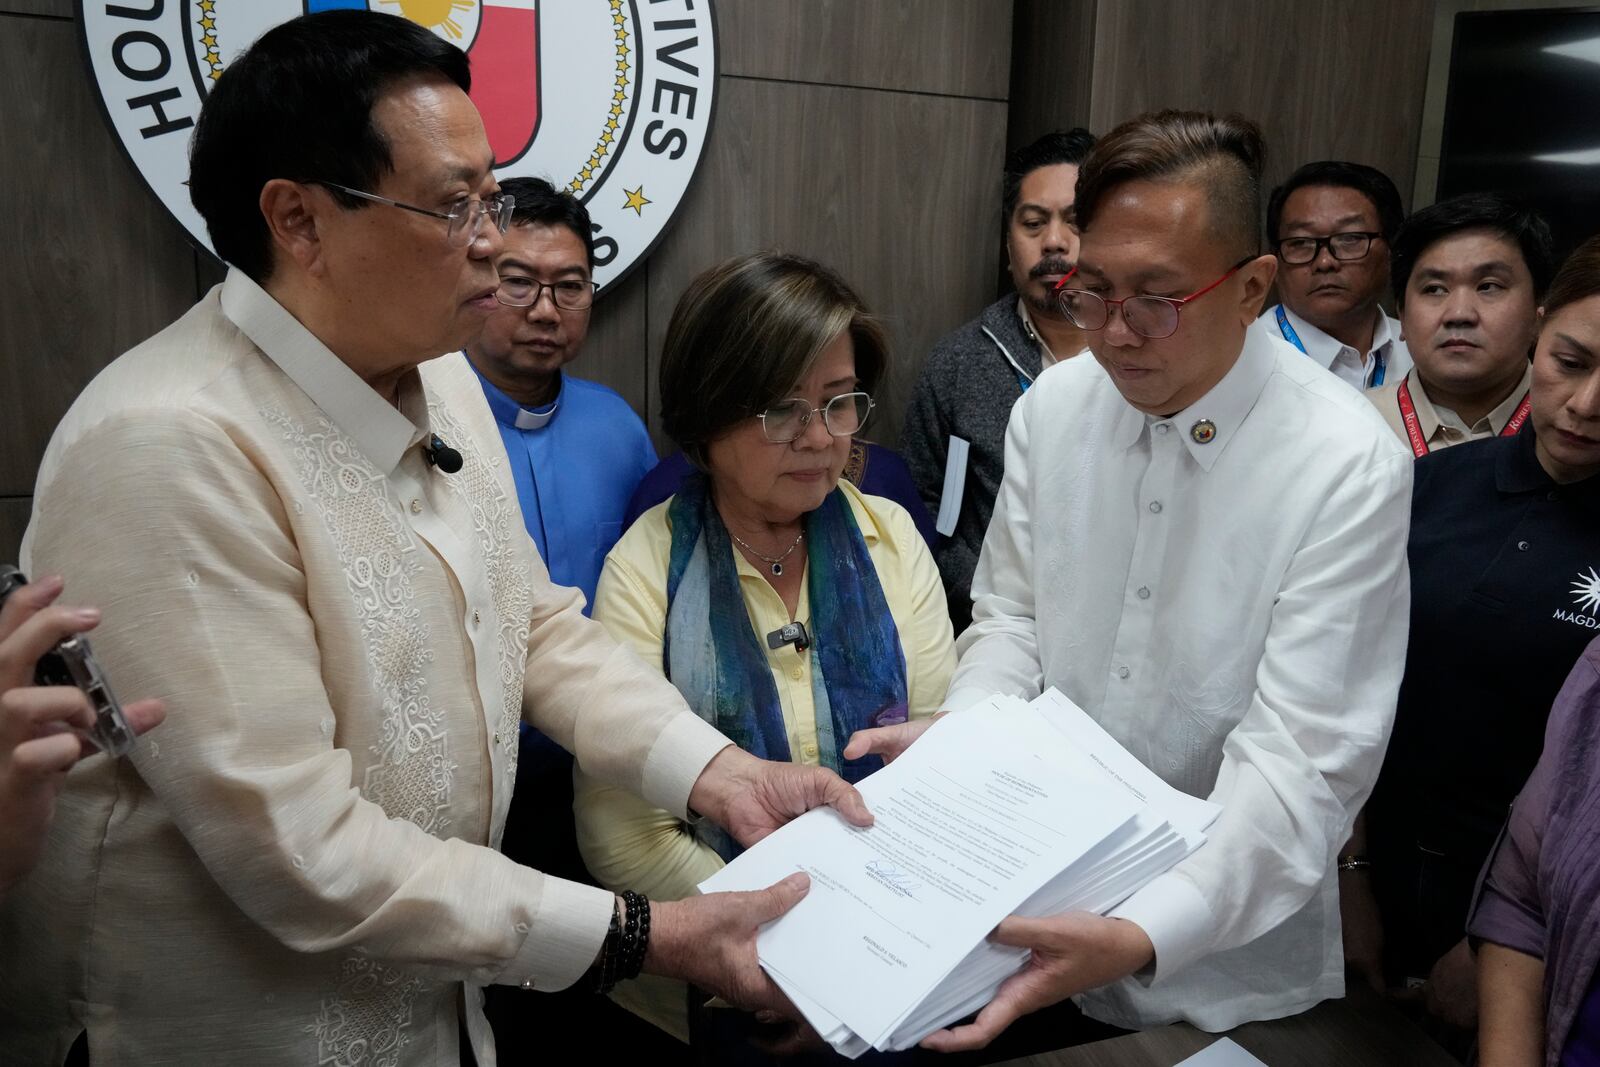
x=1508 y=908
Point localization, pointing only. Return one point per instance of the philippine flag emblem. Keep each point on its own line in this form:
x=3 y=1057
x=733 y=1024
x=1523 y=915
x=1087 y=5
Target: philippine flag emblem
x=632 y=83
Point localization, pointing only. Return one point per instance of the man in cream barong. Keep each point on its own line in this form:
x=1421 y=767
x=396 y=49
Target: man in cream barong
x=346 y=623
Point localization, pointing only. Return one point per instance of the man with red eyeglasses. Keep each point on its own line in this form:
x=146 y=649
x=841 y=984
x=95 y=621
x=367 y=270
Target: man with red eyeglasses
x=1201 y=540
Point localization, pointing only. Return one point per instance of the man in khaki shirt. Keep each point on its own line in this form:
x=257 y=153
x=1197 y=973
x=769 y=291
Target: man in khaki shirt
x=1468 y=274
x=308 y=546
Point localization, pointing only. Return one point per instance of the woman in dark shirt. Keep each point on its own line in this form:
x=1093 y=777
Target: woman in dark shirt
x=1505 y=571
x=1539 y=909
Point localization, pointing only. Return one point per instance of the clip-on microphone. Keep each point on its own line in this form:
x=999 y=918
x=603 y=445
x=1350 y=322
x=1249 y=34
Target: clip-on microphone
x=441 y=455
x=792 y=634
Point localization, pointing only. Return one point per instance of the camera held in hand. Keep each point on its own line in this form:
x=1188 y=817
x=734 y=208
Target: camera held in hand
x=72 y=663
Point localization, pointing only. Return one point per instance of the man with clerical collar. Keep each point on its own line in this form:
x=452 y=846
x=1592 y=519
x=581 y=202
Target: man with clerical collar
x=1468 y=275
x=954 y=430
x=577 y=449
x=1330 y=225
x=1200 y=540
x=297 y=515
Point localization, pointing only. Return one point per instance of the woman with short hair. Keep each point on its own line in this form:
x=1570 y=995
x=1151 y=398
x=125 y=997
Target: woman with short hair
x=790 y=609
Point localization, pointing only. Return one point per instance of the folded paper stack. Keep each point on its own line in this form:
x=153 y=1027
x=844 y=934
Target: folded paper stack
x=1009 y=807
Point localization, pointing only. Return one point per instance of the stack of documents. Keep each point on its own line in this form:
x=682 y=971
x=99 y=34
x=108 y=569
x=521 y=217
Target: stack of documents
x=1010 y=807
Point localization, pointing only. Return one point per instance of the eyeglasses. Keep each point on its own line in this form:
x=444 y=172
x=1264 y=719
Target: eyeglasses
x=1154 y=317
x=569 y=295
x=843 y=416
x=1353 y=244
x=466 y=222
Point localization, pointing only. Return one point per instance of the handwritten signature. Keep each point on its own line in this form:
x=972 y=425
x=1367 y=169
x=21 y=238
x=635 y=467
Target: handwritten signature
x=892 y=878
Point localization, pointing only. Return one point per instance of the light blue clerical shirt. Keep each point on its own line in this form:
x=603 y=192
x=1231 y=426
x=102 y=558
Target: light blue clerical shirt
x=576 y=461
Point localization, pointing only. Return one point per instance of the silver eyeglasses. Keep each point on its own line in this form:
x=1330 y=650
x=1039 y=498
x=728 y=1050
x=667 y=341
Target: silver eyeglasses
x=466 y=222
x=843 y=416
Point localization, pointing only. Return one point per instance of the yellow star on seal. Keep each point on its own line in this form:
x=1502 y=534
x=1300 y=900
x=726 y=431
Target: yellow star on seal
x=636 y=200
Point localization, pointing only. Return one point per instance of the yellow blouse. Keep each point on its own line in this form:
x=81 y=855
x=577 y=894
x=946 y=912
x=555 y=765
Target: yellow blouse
x=629 y=844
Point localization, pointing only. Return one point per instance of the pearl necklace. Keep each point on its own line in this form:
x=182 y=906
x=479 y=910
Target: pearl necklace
x=775 y=561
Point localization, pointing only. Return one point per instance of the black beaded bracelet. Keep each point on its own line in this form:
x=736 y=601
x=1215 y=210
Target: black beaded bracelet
x=635 y=940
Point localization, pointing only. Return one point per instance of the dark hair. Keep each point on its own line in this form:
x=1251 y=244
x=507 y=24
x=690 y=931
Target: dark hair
x=1063 y=146
x=745 y=332
x=1222 y=154
x=1497 y=212
x=1370 y=182
x=541 y=204
x=298 y=105
x=1578 y=279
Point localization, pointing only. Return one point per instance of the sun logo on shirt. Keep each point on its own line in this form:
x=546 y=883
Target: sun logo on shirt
x=1586 y=591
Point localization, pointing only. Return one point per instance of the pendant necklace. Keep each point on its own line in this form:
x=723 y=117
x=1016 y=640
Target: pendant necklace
x=775 y=561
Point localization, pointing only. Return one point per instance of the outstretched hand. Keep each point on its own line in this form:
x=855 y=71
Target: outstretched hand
x=710 y=941
x=1072 y=952
x=888 y=741
x=751 y=797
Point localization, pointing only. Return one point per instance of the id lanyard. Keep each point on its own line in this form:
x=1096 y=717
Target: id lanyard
x=1378 y=364
x=1419 y=444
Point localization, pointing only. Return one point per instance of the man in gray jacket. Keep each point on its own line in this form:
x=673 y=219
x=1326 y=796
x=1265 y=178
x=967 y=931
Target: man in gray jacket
x=955 y=428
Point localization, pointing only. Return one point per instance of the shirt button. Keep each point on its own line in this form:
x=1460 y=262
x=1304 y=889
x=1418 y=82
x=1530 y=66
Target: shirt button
x=416 y=507
x=1144 y=592
x=1155 y=507
x=1162 y=427
x=1552 y=495
x=796 y=674
x=1522 y=546
x=1123 y=672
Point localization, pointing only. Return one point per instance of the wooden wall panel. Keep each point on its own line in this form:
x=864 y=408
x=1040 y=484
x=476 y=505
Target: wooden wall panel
x=614 y=353
x=953 y=47
x=1325 y=81
x=58 y=8
x=90 y=264
x=14 y=512
x=896 y=191
x=1052 y=68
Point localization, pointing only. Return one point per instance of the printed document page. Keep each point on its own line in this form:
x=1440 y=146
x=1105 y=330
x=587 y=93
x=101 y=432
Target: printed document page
x=970 y=822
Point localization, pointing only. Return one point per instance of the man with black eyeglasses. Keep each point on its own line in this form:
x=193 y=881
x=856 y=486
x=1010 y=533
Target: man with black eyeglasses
x=1330 y=226
x=577 y=450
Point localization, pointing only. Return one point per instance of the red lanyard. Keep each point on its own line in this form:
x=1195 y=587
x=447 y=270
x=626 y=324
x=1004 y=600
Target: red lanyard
x=1419 y=444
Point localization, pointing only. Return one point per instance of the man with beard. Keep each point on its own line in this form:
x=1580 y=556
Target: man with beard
x=1330 y=225
x=954 y=432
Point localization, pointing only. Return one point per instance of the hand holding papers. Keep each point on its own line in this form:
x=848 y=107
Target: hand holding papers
x=1005 y=808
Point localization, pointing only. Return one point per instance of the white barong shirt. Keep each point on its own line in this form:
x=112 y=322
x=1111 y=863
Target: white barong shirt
x=1225 y=591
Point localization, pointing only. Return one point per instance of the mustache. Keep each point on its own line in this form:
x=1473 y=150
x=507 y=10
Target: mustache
x=1051 y=265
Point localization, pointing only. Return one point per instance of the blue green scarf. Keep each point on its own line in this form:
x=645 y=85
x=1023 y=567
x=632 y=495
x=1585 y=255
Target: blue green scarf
x=719 y=663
